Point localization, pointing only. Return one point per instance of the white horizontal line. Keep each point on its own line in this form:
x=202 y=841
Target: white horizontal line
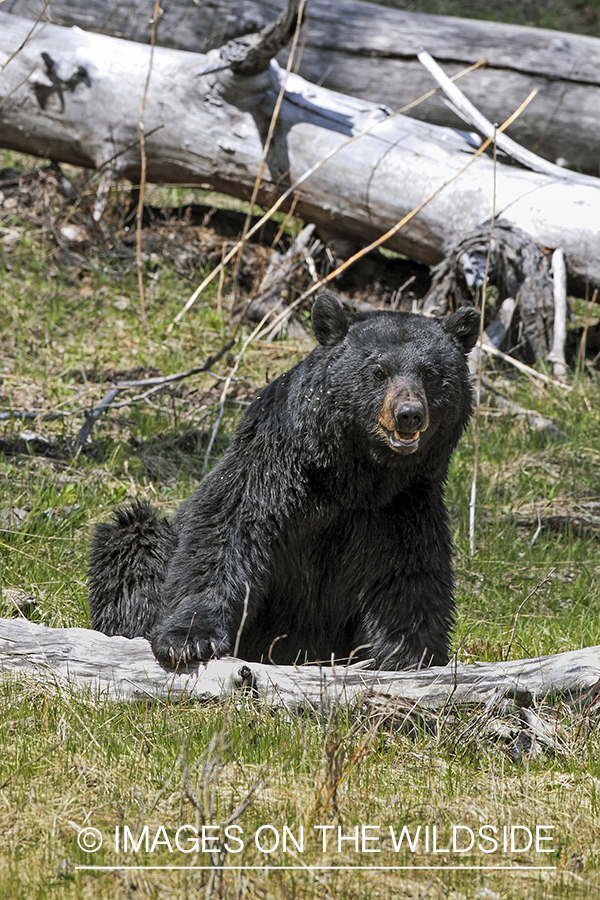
x=328 y=868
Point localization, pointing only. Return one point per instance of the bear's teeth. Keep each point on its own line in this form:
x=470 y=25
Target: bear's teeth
x=406 y=438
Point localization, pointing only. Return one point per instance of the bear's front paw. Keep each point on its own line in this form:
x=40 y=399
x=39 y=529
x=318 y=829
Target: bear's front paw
x=177 y=650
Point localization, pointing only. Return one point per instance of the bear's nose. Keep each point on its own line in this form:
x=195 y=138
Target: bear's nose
x=409 y=417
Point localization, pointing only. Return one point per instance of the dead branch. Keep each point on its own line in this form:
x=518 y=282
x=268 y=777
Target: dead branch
x=557 y=354
x=108 y=400
x=277 y=282
x=252 y=53
x=472 y=116
x=517 y=267
x=534 y=419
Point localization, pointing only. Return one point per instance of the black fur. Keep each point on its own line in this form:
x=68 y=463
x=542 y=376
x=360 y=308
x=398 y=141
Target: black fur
x=334 y=528
x=129 y=558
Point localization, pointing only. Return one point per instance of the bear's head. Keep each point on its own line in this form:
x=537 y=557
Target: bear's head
x=398 y=377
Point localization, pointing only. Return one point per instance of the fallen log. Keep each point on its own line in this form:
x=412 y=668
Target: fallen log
x=76 y=97
x=370 y=51
x=118 y=668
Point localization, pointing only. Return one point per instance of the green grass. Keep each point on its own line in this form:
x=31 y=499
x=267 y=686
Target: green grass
x=522 y=475
x=71 y=760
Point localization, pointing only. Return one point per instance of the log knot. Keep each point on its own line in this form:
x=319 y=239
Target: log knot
x=55 y=83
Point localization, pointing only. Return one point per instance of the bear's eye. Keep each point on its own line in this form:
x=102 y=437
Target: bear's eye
x=428 y=373
x=379 y=373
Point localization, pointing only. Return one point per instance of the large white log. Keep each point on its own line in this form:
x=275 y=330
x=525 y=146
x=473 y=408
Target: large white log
x=76 y=97
x=370 y=51
x=119 y=668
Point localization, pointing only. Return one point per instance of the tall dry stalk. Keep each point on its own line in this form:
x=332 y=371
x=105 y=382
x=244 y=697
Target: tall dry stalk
x=140 y=206
x=473 y=498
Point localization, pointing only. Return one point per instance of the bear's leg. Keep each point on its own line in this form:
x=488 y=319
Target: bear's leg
x=407 y=582
x=195 y=631
x=220 y=573
x=426 y=646
x=129 y=558
x=410 y=626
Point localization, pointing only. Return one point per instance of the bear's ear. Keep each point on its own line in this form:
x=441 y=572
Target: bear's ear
x=463 y=327
x=329 y=322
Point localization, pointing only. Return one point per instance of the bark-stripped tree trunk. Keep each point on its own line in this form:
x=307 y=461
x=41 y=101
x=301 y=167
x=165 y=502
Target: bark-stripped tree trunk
x=117 y=667
x=76 y=97
x=370 y=51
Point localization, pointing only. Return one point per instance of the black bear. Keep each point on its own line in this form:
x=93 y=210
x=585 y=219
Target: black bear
x=322 y=533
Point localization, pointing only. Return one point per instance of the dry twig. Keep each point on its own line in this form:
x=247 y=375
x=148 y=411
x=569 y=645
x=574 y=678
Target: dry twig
x=140 y=206
x=153 y=383
x=470 y=114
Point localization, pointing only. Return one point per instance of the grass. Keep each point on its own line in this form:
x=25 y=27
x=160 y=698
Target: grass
x=71 y=760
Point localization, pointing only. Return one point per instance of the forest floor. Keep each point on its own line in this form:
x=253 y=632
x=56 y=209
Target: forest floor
x=71 y=326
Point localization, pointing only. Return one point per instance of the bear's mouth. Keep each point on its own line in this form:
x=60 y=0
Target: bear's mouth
x=402 y=442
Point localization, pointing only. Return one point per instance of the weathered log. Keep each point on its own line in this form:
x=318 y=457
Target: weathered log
x=114 y=668
x=76 y=97
x=369 y=51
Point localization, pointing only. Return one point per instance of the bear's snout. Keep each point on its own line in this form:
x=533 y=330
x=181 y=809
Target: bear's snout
x=409 y=417
x=403 y=417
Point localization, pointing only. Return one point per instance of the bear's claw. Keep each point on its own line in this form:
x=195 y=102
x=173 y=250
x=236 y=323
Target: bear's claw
x=181 y=651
